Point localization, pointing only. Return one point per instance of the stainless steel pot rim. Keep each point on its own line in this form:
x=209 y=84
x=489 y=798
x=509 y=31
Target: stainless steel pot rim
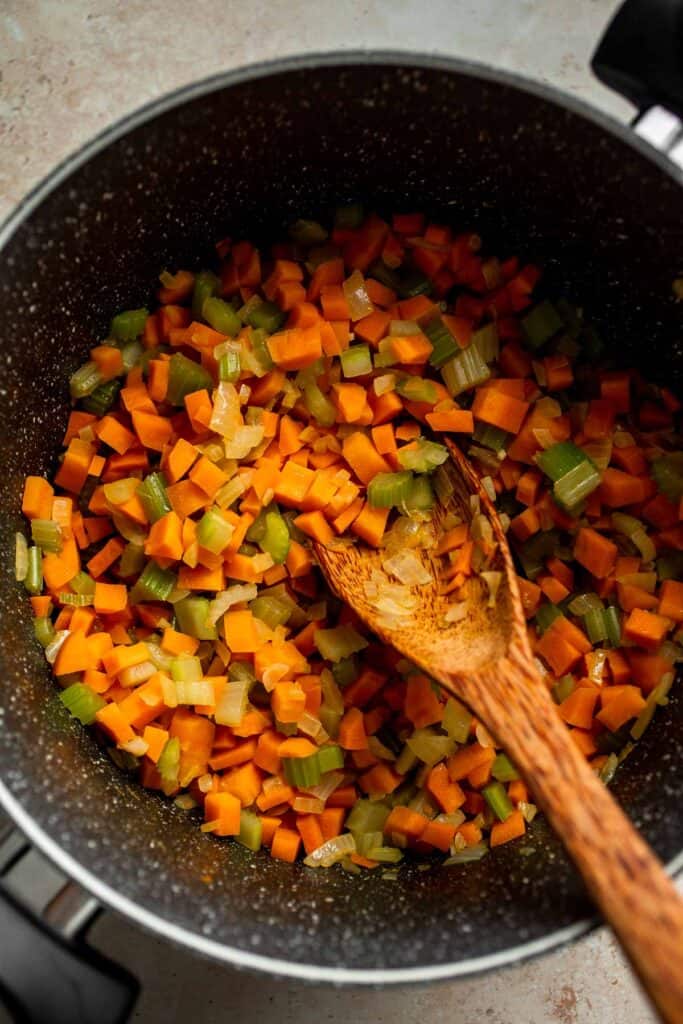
x=109 y=896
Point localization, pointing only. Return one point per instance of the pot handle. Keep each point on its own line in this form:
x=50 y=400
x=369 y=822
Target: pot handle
x=640 y=54
x=47 y=980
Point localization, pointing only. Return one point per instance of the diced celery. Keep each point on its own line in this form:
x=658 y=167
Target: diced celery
x=584 y=603
x=667 y=473
x=444 y=345
x=612 y=621
x=229 y=367
x=345 y=671
x=192 y=614
x=456 y=720
x=485 y=340
x=560 y=459
x=154 y=584
x=349 y=216
x=33 y=581
x=385 y=275
x=330 y=757
x=388 y=739
x=416 y=389
x=541 y=323
x=270 y=610
x=405 y=761
x=251 y=830
x=356 y=361
x=152 y=494
x=132 y=560
x=267 y=316
x=43 y=630
x=670 y=565
x=168 y=764
x=275 y=540
x=572 y=488
x=184 y=378
x=85 y=380
x=465 y=371
x=102 y=399
x=214 y=532
x=130 y=355
x=220 y=315
x=429 y=747
x=302 y=771
x=385 y=854
x=46 y=534
x=490 y=437
x=503 y=769
x=563 y=688
x=185 y=668
x=367 y=816
x=82 y=702
x=330 y=719
x=498 y=800
x=423 y=457
x=546 y=615
x=367 y=840
x=421 y=497
x=320 y=407
x=388 y=490
x=241 y=671
x=338 y=642
x=206 y=284
x=129 y=325
x=595 y=624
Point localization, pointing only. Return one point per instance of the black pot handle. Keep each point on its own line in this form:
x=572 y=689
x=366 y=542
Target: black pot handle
x=641 y=54
x=47 y=980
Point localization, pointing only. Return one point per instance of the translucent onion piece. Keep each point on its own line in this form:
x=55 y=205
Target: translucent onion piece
x=492 y=581
x=456 y=612
x=543 y=437
x=484 y=737
x=137 y=747
x=469 y=853
x=242 y=442
x=225 y=599
x=357 y=296
x=226 y=416
x=199 y=691
x=326 y=786
x=205 y=783
x=20 y=557
x=408 y=569
x=273 y=675
x=52 y=649
x=232 y=703
x=307 y=805
x=331 y=851
x=549 y=407
x=168 y=691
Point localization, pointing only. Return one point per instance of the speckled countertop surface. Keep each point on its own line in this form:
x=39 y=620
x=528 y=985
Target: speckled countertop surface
x=68 y=68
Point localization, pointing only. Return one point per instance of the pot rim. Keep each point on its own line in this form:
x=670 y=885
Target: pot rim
x=105 y=893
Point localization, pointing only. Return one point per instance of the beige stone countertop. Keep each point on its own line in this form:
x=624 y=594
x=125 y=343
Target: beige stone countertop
x=69 y=68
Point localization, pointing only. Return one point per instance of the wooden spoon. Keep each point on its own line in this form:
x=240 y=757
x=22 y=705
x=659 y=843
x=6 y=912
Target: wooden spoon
x=485 y=660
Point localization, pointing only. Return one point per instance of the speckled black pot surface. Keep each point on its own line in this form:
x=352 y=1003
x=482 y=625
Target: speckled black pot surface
x=244 y=155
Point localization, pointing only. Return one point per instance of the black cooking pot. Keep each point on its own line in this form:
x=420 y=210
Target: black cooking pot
x=244 y=154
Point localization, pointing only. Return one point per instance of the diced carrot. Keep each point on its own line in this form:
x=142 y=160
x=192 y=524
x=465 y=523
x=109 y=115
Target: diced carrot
x=504 y=831
x=285 y=844
x=594 y=552
x=646 y=629
x=624 y=706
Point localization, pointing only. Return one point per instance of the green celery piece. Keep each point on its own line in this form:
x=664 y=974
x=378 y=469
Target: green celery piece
x=132 y=560
x=465 y=371
x=571 y=317
x=214 y=532
x=103 y=398
x=345 y=672
x=612 y=621
x=546 y=615
x=405 y=761
x=185 y=377
x=563 y=688
x=498 y=800
x=270 y=610
x=329 y=719
x=307 y=232
x=267 y=316
x=385 y=854
x=230 y=367
x=206 y=284
x=330 y=758
x=47 y=535
x=414 y=283
x=43 y=630
x=185 y=668
x=534 y=551
x=192 y=614
x=583 y=603
x=485 y=341
x=320 y=407
x=389 y=490
x=82 y=583
x=130 y=355
x=275 y=540
x=85 y=380
x=129 y=325
x=367 y=816
x=302 y=771
x=572 y=488
x=444 y=345
x=490 y=437
x=220 y=315
x=33 y=581
x=429 y=747
x=75 y=600
x=540 y=324
x=367 y=841
x=152 y=494
x=168 y=764
x=259 y=345
x=423 y=457
x=154 y=584
x=241 y=671
x=356 y=361
x=385 y=275
x=421 y=497
x=338 y=642
x=257 y=530
x=503 y=769
x=416 y=389
x=667 y=473
x=456 y=720
x=596 y=627
x=251 y=830
x=349 y=216
x=670 y=565
x=388 y=738
x=560 y=459
x=82 y=702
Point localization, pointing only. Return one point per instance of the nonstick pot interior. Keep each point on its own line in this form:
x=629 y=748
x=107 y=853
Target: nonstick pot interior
x=534 y=178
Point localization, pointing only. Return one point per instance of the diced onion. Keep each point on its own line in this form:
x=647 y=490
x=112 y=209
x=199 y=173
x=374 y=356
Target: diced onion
x=307 y=805
x=327 y=785
x=549 y=407
x=357 y=296
x=487 y=484
x=205 y=783
x=331 y=851
x=227 y=598
x=382 y=385
x=484 y=737
x=544 y=437
x=243 y=441
x=168 y=690
x=232 y=702
x=273 y=675
x=137 y=747
x=20 y=558
x=52 y=649
x=456 y=612
x=199 y=691
x=408 y=569
x=226 y=416
x=492 y=581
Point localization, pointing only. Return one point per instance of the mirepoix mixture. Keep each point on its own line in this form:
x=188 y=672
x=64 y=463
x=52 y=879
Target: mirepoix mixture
x=301 y=393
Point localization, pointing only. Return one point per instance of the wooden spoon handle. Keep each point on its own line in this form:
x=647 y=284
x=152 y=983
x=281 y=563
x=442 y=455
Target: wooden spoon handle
x=621 y=872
